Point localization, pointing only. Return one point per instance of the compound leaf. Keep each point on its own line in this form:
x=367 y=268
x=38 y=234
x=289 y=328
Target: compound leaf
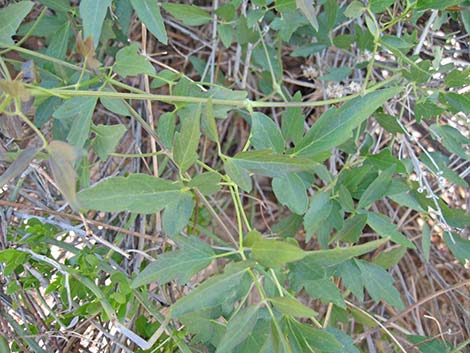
x=181 y=265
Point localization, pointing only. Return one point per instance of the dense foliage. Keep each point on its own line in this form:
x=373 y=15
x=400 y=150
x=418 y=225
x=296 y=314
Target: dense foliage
x=228 y=176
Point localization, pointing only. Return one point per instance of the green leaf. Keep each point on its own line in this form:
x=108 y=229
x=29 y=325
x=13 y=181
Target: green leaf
x=177 y=213
x=343 y=41
x=11 y=18
x=206 y=183
x=345 y=199
x=459 y=247
x=288 y=23
x=187 y=141
x=407 y=199
x=455 y=217
x=337 y=74
x=354 y=9
x=166 y=128
x=307 y=339
x=326 y=291
x=435 y=4
x=190 y=15
x=115 y=105
x=303 y=271
x=271 y=165
x=59 y=43
x=204 y=325
x=418 y=72
x=379 y=284
x=149 y=13
x=319 y=209
x=213 y=292
x=107 y=138
x=390 y=258
x=258 y=335
x=452 y=139
x=351 y=276
x=179 y=265
x=377 y=189
x=458 y=102
x=352 y=228
x=21 y=162
x=384 y=160
x=344 y=339
x=377 y=6
x=78 y=112
x=338 y=255
x=397 y=42
x=208 y=124
x=457 y=78
x=274 y=253
x=165 y=77
x=307 y=50
x=466 y=20
x=431 y=345
x=57 y=5
x=427 y=109
x=292 y=119
x=138 y=193
x=336 y=125
x=389 y=123
x=265 y=134
x=61 y=159
x=225 y=32
x=92 y=13
x=4 y=345
x=306 y=7
x=287 y=227
x=385 y=228
x=239 y=328
x=130 y=63
x=45 y=110
x=251 y=237
x=227 y=12
x=238 y=174
x=291 y=307
x=291 y=192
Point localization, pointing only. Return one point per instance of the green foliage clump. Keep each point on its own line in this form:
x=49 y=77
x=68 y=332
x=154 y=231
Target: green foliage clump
x=127 y=140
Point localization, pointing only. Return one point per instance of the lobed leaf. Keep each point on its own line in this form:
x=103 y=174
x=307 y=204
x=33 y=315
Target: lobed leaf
x=181 y=265
x=336 y=125
x=213 y=292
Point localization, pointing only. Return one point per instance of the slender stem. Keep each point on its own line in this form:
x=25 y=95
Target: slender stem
x=40 y=56
x=246 y=103
x=380 y=324
x=239 y=219
x=31 y=125
x=225 y=254
x=276 y=282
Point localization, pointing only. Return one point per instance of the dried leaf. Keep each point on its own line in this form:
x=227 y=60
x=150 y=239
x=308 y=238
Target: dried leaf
x=61 y=158
x=87 y=50
x=14 y=89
